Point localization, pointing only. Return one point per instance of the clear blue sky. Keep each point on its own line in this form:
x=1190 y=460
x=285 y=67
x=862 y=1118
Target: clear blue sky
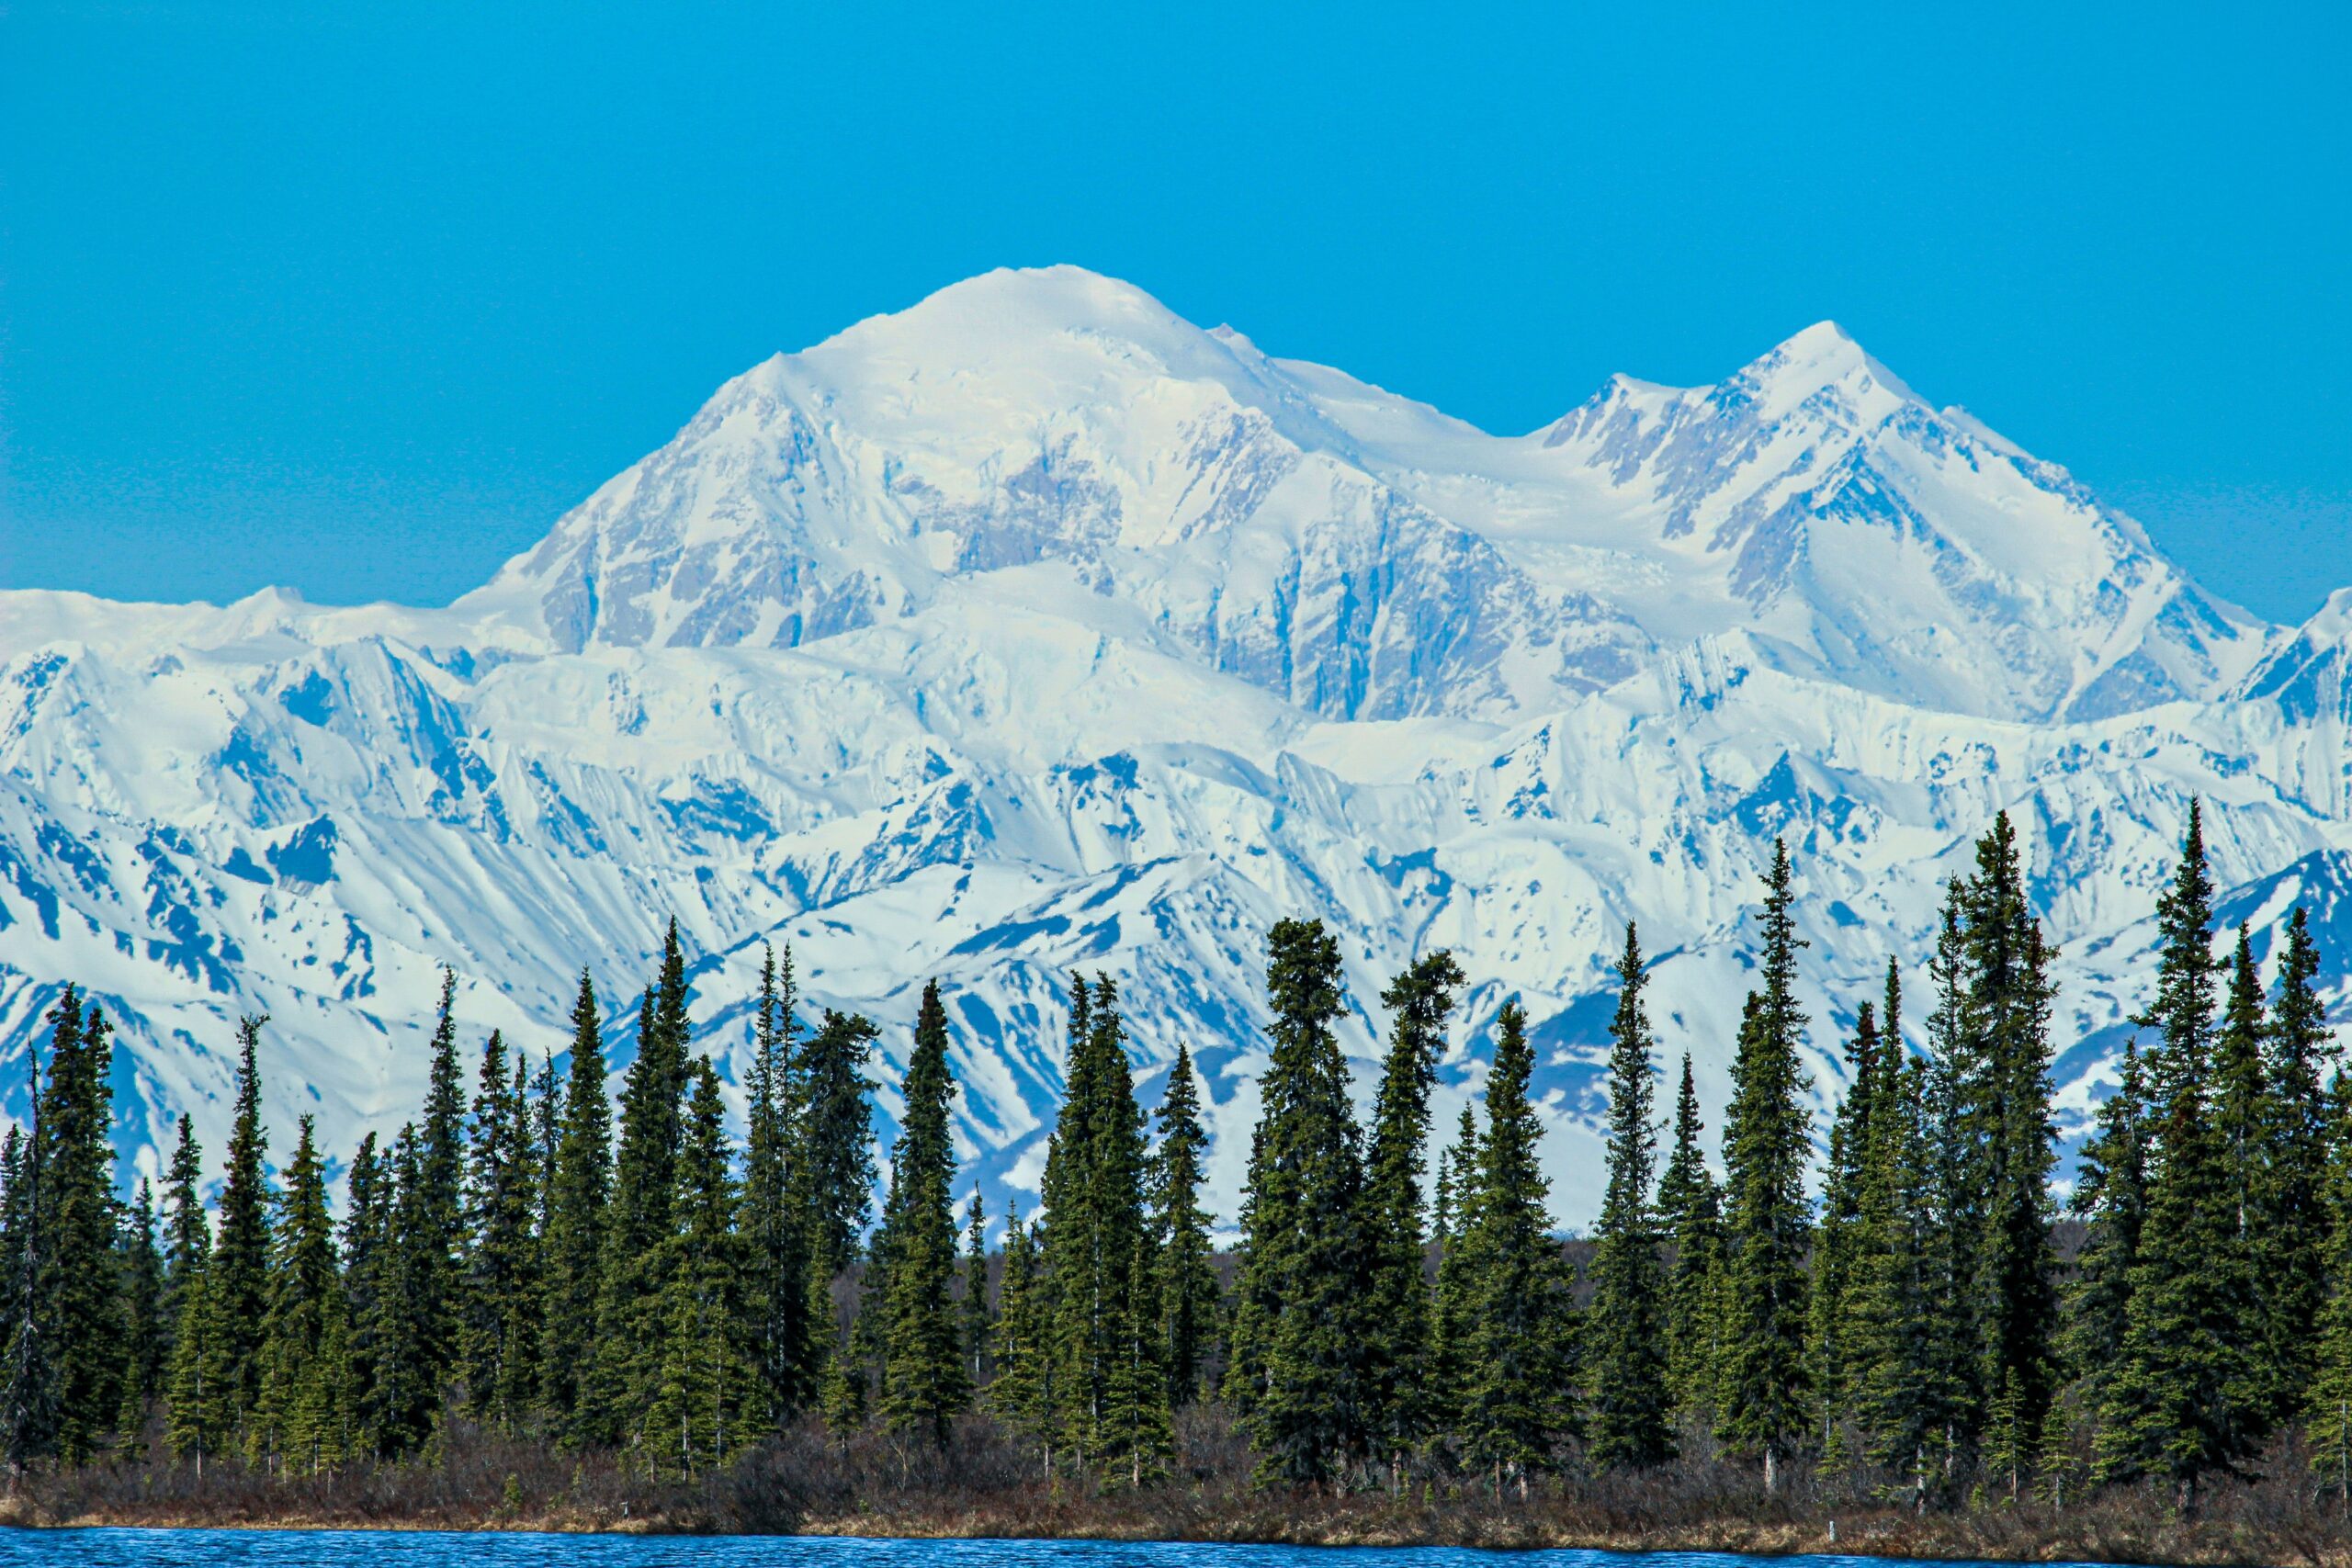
x=292 y=295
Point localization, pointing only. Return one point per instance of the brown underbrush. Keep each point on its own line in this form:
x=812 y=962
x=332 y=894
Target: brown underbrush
x=983 y=1485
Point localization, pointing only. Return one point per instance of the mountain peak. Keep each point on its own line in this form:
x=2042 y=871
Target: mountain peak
x=1821 y=357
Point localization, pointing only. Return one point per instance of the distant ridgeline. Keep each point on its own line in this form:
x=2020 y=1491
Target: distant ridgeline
x=631 y=1280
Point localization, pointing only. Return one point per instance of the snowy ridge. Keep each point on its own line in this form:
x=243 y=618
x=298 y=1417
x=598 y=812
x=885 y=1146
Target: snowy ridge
x=1034 y=628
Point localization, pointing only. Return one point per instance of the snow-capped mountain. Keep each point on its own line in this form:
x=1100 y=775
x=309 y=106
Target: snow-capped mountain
x=1034 y=628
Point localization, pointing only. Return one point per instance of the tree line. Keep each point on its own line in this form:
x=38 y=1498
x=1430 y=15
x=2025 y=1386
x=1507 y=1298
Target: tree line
x=635 y=1278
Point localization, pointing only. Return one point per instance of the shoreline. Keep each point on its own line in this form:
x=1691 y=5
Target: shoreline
x=2098 y=1536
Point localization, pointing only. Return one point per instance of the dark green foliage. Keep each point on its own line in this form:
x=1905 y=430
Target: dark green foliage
x=146 y=1336
x=78 y=1302
x=1690 y=1216
x=1762 y=1390
x=1520 y=1401
x=973 y=1298
x=2295 y=1224
x=925 y=1381
x=2011 y=1266
x=502 y=1313
x=302 y=1418
x=2184 y=1400
x=693 y=1417
x=579 y=1188
x=786 y=1303
x=1397 y=1307
x=630 y=1325
x=1093 y=1236
x=833 y=1182
x=1023 y=1395
x=1631 y=1423
x=435 y=1231
x=1297 y=1372
x=1187 y=1285
x=238 y=1275
x=187 y=1233
x=1840 y=1240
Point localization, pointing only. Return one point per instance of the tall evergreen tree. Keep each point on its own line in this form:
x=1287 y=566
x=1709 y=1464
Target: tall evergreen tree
x=701 y=1376
x=833 y=1182
x=368 y=1242
x=787 y=1310
x=579 y=1188
x=976 y=1318
x=238 y=1274
x=1762 y=1385
x=187 y=1231
x=1188 y=1285
x=146 y=1338
x=1453 y=1304
x=77 y=1301
x=1839 y=1239
x=2294 y=1214
x=2184 y=1400
x=1689 y=1209
x=302 y=1416
x=502 y=1316
x=435 y=1233
x=1631 y=1409
x=1420 y=1001
x=1298 y=1371
x=2012 y=1259
x=1520 y=1401
x=926 y=1382
x=1024 y=1394
x=645 y=1183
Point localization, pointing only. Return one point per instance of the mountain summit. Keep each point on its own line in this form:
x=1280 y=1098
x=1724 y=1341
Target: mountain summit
x=1034 y=629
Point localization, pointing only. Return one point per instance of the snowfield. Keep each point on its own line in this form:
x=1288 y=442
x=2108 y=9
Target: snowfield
x=1034 y=628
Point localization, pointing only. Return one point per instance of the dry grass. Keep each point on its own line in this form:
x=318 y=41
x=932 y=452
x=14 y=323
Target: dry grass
x=984 y=1485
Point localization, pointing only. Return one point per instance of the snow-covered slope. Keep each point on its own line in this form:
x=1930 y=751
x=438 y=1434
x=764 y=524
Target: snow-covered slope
x=1034 y=628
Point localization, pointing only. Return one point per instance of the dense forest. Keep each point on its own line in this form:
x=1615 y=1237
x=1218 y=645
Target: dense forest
x=1936 y=1328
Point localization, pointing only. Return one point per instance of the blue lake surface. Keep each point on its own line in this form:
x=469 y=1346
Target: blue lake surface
x=419 y=1548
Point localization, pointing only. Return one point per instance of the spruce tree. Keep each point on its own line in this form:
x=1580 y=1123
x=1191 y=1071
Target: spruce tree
x=2185 y=1401
x=1838 y=1239
x=2011 y=1258
x=146 y=1340
x=974 y=1283
x=28 y=1400
x=77 y=1301
x=1902 y=1373
x=367 y=1241
x=501 y=1316
x=832 y=1183
x=1631 y=1409
x=1420 y=1001
x=785 y=1308
x=436 y=1236
x=645 y=1179
x=238 y=1274
x=1763 y=1389
x=1188 y=1286
x=2327 y=1396
x=302 y=1416
x=2294 y=1208
x=187 y=1231
x=1519 y=1403
x=403 y=1389
x=925 y=1380
x=579 y=1188
x=1452 y=1306
x=1022 y=1395
x=2111 y=1194
x=1689 y=1209
x=702 y=1376
x=1298 y=1368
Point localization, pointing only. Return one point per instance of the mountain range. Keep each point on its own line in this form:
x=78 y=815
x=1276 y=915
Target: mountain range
x=1034 y=628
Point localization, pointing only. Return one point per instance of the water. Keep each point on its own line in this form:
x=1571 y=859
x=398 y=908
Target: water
x=421 y=1549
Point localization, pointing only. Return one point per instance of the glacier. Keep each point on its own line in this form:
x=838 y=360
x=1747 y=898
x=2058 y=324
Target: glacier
x=1034 y=628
